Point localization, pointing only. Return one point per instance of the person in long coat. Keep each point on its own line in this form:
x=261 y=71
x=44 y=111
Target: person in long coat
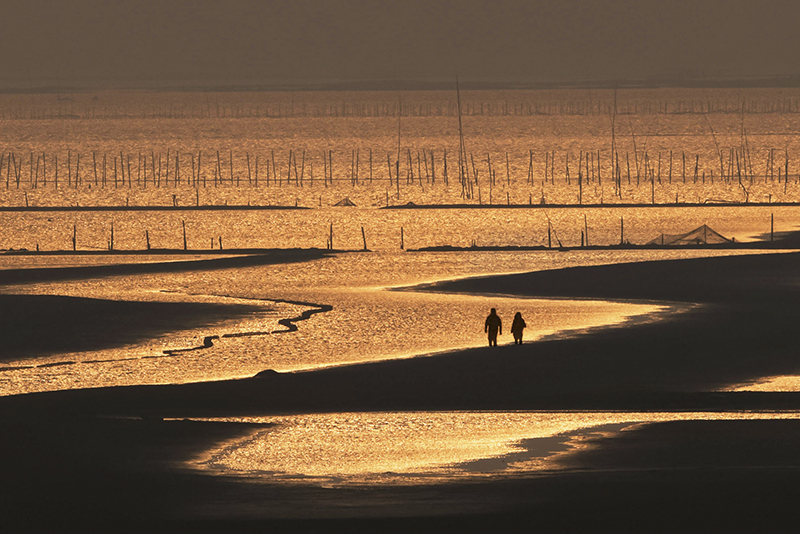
x=493 y=326
x=517 y=327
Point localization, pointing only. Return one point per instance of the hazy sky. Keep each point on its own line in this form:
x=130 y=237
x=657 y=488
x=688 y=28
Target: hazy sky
x=298 y=40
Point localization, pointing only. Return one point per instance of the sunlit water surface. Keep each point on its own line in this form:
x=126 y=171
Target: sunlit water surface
x=383 y=230
x=783 y=383
x=259 y=148
x=421 y=447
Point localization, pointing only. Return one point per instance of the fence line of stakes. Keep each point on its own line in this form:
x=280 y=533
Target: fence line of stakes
x=735 y=165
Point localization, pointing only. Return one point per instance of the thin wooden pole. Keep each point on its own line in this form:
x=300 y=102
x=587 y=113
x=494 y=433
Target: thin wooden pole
x=586 y=229
x=183 y=224
x=231 y=162
x=249 y=175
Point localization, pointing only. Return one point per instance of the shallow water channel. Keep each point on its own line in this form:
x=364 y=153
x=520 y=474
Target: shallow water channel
x=412 y=448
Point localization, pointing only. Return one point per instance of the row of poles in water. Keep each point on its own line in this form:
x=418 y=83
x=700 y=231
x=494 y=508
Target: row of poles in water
x=419 y=167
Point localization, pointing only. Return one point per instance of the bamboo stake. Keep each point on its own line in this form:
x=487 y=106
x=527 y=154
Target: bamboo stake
x=546 y=164
x=628 y=162
x=218 y=175
x=670 y=166
x=599 y=177
x=586 y=229
x=446 y=178
x=275 y=175
x=231 y=162
x=683 y=170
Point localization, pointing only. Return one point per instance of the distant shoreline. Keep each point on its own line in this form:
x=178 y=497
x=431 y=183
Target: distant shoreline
x=407 y=206
x=50 y=86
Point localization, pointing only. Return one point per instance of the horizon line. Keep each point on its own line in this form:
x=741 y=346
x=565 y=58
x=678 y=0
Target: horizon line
x=54 y=85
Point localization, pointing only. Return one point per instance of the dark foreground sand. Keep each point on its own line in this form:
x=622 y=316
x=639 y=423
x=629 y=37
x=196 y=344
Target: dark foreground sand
x=69 y=462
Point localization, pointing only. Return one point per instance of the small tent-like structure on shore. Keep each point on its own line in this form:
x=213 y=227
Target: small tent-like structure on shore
x=704 y=235
x=345 y=202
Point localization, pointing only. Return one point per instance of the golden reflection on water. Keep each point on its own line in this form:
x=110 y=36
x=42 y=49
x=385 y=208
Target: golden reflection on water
x=784 y=383
x=183 y=123
x=421 y=447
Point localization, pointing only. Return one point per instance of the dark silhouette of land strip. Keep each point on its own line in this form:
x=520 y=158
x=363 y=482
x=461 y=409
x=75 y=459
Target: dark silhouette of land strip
x=639 y=205
x=735 y=245
x=40 y=325
x=231 y=259
x=232 y=207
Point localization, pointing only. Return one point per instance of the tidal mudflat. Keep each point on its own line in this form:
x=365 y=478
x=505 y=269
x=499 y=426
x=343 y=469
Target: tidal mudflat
x=204 y=333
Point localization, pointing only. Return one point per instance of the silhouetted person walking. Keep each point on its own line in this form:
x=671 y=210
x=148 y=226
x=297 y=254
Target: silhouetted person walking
x=493 y=326
x=517 y=327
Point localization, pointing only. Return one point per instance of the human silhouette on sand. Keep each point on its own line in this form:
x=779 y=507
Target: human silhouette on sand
x=517 y=327
x=493 y=326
